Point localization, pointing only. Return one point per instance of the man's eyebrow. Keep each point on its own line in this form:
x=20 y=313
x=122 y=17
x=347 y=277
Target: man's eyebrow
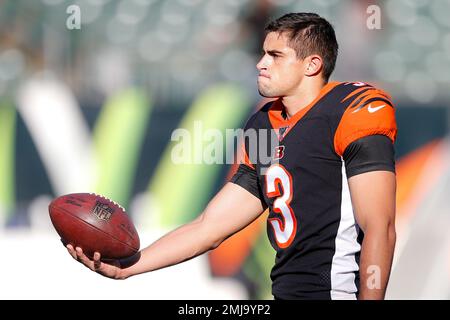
x=277 y=52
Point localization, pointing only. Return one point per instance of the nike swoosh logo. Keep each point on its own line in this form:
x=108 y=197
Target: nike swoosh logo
x=370 y=109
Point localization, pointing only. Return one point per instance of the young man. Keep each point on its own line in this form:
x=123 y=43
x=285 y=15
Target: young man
x=327 y=133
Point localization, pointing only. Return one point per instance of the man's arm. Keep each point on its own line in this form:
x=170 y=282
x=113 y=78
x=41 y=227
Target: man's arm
x=231 y=210
x=373 y=199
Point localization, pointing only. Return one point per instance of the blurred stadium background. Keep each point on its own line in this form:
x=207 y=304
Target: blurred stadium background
x=93 y=109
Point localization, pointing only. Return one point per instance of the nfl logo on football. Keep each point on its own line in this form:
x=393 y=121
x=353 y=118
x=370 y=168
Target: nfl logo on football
x=102 y=211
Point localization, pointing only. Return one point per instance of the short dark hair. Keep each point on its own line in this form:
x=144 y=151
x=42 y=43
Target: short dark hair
x=309 y=34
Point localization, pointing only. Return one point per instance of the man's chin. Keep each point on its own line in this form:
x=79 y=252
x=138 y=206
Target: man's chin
x=261 y=93
x=266 y=94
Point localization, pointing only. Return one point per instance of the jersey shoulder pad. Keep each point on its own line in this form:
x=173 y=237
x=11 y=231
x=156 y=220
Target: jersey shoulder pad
x=368 y=111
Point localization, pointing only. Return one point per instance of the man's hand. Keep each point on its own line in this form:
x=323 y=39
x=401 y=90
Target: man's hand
x=110 y=270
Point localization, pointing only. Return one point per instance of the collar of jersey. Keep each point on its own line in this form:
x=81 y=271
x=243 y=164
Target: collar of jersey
x=275 y=112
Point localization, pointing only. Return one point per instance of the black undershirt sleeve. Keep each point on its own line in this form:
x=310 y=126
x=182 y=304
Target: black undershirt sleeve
x=247 y=178
x=371 y=153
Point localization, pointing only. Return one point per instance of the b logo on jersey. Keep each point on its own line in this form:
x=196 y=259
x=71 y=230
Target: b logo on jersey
x=279 y=152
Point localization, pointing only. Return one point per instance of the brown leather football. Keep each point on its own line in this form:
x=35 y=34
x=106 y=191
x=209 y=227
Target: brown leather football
x=94 y=223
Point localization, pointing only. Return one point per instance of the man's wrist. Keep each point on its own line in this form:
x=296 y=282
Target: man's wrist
x=126 y=265
x=122 y=274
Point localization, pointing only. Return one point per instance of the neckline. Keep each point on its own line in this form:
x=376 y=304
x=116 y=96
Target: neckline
x=276 y=111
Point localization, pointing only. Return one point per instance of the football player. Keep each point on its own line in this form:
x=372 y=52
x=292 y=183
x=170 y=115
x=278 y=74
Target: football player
x=330 y=185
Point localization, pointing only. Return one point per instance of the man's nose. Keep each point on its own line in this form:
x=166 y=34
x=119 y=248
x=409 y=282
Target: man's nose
x=261 y=64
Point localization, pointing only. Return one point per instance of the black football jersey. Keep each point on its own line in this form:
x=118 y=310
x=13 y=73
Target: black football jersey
x=311 y=224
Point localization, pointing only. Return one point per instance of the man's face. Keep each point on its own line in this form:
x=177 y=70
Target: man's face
x=280 y=71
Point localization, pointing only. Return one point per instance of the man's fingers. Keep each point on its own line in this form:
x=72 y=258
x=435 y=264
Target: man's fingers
x=97 y=262
x=71 y=251
x=84 y=259
x=97 y=256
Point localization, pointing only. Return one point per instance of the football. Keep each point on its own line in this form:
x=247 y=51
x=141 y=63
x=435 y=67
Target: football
x=94 y=223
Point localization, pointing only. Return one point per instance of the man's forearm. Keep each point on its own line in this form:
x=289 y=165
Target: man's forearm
x=375 y=263
x=177 y=246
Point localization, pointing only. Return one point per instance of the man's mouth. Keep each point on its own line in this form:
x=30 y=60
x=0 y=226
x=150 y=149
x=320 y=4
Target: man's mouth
x=264 y=75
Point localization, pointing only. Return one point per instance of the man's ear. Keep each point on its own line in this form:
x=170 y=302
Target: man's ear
x=314 y=65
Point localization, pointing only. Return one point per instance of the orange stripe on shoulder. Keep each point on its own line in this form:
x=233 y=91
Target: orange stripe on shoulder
x=371 y=113
x=354 y=93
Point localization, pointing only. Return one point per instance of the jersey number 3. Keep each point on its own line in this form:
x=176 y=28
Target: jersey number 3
x=285 y=228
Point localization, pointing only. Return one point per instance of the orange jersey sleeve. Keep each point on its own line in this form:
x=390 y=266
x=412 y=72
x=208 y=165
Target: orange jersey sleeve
x=371 y=112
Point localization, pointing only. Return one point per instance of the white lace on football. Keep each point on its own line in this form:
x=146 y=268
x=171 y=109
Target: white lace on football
x=103 y=197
